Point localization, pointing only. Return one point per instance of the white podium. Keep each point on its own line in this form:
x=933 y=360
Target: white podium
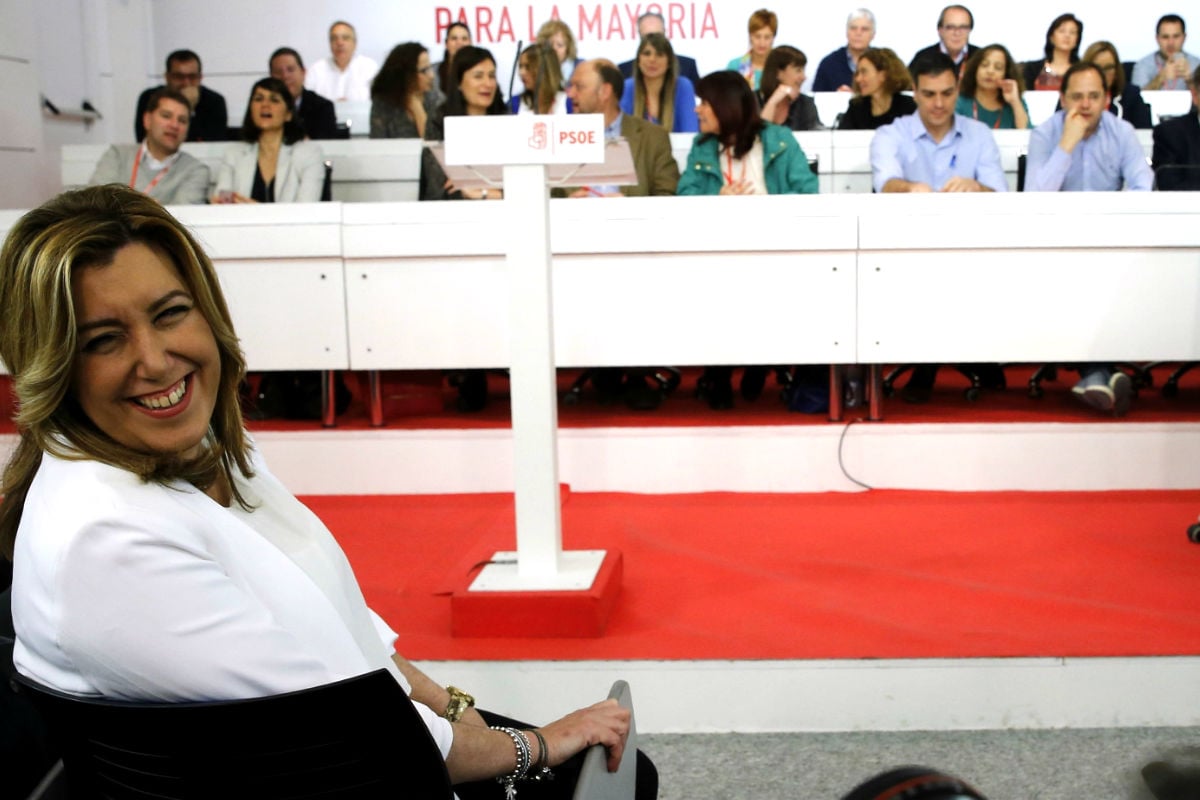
x=538 y=589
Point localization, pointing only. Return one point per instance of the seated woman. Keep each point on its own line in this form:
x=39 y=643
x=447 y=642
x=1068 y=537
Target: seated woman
x=879 y=85
x=738 y=153
x=991 y=88
x=556 y=35
x=400 y=96
x=181 y=569
x=1061 y=51
x=1126 y=99
x=779 y=96
x=473 y=91
x=458 y=36
x=657 y=92
x=762 y=27
x=275 y=164
x=543 y=84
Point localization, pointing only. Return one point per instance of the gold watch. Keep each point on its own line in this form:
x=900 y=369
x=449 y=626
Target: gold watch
x=460 y=701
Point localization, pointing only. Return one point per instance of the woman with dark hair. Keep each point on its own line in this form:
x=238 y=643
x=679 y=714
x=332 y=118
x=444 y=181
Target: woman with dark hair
x=880 y=81
x=541 y=75
x=400 y=96
x=990 y=89
x=737 y=152
x=274 y=163
x=1061 y=51
x=1125 y=97
x=458 y=36
x=657 y=92
x=779 y=93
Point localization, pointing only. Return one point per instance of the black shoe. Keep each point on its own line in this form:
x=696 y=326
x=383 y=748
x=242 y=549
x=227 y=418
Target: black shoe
x=642 y=394
x=753 y=381
x=920 y=384
x=715 y=387
x=472 y=391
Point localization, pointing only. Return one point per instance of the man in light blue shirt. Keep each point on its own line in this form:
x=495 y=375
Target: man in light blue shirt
x=936 y=150
x=1167 y=67
x=1082 y=148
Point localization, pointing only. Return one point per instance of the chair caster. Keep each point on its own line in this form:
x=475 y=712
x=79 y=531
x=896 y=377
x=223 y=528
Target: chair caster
x=572 y=398
x=1170 y=388
x=971 y=393
x=1036 y=391
x=1194 y=533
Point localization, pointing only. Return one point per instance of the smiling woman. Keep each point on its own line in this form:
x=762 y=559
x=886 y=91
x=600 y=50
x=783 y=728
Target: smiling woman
x=155 y=558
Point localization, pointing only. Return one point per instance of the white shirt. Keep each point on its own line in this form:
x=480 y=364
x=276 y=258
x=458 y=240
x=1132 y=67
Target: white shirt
x=747 y=168
x=137 y=591
x=352 y=83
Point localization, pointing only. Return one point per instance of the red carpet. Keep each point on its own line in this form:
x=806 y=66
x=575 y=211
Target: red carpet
x=882 y=574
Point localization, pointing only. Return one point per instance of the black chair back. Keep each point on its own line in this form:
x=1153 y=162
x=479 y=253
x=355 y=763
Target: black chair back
x=358 y=738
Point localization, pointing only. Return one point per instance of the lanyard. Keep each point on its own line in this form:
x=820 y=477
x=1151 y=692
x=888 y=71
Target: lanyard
x=975 y=113
x=729 y=175
x=136 y=164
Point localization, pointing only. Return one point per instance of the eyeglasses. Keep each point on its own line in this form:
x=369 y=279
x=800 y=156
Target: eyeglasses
x=956 y=28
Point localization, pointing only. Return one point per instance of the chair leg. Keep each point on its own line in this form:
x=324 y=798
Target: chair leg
x=887 y=386
x=836 y=386
x=1171 y=387
x=875 y=392
x=1046 y=372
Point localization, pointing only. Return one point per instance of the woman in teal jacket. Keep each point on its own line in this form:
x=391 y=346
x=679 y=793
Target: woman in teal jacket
x=737 y=152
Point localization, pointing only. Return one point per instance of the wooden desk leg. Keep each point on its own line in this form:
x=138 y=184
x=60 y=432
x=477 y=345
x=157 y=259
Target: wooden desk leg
x=875 y=391
x=375 y=398
x=328 y=399
x=837 y=375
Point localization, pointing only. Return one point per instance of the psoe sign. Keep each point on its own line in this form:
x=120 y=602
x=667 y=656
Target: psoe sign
x=525 y=139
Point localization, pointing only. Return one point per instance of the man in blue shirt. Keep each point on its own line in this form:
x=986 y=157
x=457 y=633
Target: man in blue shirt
x=936 y=150
x=1081 y=148
x=1168 y=66
x=835 y=73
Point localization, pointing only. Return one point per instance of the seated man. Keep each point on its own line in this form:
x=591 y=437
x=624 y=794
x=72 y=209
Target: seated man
x=1083 y=148
x=835 y=73
x=595 y=88
x=316 y=113
x=156 y=167
x=1167 y=67
x=345 y=75
x=653 y=22
x=936 y=150
x=210 y=120
x=954 y=27
x=1177 y=147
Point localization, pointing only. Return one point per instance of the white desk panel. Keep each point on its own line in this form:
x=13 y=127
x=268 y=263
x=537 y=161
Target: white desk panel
x=266 y=230
x=1030 y=305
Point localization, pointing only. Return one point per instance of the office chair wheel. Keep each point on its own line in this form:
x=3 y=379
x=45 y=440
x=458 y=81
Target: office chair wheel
x=1171 y=387
x=971 y=393
x=572 y=397
x=1194 y=533
x=668 y=379
x=1036 y=391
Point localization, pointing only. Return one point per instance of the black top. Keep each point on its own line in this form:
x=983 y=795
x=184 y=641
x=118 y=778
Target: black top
x=318 y=116
x=210 y=120
x=802 y=113
x=262 y=191
x=858 y=115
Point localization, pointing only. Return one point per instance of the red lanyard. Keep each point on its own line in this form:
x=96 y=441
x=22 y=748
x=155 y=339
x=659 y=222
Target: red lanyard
x=137 y=163
x=975 y=113
x=729 y=175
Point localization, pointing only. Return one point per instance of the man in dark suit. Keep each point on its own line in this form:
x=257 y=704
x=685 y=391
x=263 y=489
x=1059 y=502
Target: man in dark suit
x=653 y=22
x=317 y=113
x=954 y=29
x=1176 y=154
x=210 y=120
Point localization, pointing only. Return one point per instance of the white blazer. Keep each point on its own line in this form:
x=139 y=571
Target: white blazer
x=139 y=591
x=299 y=173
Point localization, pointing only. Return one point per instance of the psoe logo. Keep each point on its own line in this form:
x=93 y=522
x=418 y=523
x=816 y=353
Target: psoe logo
x=539 y=138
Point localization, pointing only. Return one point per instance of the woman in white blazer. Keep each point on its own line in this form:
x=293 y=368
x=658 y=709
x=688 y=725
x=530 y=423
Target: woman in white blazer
x=275 y=163
x=154 y=556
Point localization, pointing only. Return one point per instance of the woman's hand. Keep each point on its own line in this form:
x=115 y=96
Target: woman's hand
x=1008 y=90
x=226 y=197
x=779 y=100
x=604 y=723
x=738 y=187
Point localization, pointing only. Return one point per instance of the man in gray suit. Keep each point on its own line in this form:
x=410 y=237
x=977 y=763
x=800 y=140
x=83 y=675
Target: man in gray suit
x=156 y=166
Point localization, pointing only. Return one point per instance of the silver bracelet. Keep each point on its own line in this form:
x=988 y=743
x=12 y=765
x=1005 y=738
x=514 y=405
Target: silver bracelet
x=521 y=743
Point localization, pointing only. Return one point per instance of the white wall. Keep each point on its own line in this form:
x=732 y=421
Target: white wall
x=109 y=50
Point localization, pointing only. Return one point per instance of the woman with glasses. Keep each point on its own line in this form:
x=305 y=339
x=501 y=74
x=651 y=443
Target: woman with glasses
x=400 y=96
